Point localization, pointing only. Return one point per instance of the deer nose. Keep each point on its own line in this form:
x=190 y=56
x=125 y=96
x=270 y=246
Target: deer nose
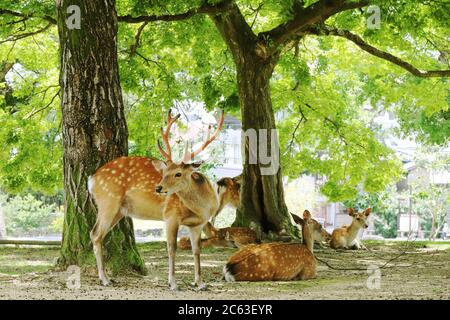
x=158 y=189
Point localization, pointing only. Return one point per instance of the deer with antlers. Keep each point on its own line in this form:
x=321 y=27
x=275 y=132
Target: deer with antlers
x=277 y=260
x=151 y=189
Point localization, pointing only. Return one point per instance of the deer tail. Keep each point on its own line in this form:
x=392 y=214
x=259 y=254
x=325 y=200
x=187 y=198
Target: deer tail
x=229 y=272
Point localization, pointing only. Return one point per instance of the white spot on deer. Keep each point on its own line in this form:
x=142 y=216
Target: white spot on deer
x=113 y=171
x=90 y=183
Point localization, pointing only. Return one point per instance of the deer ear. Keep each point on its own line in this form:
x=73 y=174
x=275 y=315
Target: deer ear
x=297 y=219
x=237 y=184
x=159 y=165
x=367 y=211
x=197 y=177
x=306 y=214
x=351 y=212
x=223 y=182
x=196 y=164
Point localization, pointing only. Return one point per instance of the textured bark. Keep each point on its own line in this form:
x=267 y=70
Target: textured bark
x=94 y=129
x=262 y=196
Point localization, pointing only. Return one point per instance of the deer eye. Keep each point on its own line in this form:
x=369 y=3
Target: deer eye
x=178 y=174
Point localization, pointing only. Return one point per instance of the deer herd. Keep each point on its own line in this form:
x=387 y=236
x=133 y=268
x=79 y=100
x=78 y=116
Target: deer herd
x=180 y=195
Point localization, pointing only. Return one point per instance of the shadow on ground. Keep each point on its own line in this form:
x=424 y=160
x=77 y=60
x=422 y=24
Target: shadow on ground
x=420 y=270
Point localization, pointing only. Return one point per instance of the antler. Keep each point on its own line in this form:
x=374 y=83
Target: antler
x=165 y=136
x=210 y=138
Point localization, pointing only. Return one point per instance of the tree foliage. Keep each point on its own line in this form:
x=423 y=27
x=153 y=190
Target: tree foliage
x=322 y=87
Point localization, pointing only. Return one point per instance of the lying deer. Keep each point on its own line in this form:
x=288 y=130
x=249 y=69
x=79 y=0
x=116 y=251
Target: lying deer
x=214 y=242
x=230 y=237
x=148 y=188
x=229 y=190
x=345 y=237
x=320 y=235
x=275 y=261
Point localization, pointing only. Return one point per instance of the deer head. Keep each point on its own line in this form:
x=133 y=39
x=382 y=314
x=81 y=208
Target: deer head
x=228 y=190
x=305 y=223
x=360 y=218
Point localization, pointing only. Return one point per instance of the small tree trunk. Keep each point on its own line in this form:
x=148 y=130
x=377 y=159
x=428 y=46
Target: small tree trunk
x=2 y=223
x=94 y=129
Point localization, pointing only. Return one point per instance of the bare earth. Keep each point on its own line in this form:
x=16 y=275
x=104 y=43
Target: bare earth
x=422 y=272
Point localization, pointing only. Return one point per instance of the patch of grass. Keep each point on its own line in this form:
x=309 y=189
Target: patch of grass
x=24 y=269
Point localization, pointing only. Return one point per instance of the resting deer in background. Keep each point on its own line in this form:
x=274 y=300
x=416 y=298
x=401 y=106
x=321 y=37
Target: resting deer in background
x=345 y=237
x=148 y=188
x=275 y=261
x=229 y=237
x=320 y=235
x=229 y=190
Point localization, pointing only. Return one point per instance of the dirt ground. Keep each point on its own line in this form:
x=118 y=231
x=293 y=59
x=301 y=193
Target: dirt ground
x=421 y=272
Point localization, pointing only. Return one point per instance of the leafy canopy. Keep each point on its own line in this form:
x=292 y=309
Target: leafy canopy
x=325 y=89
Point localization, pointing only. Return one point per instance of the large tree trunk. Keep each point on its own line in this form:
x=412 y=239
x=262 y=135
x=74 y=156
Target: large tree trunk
x=262 y=195
x=94 y=129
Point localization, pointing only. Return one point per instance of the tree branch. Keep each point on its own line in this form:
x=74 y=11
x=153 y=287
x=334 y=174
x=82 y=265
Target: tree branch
x=137 y=38
x=356 y=39
x=26 y=15
x=236 y=32
x=26 y=34
x=34 y=112
x=306 y=17
x=205 y=9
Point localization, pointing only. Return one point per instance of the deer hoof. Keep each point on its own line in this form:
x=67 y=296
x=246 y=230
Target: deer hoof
x=106 y=282
x=173 y=287
x=202 y=286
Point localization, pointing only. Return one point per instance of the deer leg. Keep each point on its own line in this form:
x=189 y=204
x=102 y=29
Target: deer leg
x=171 y=234
x=105 y=222
x=195 y=233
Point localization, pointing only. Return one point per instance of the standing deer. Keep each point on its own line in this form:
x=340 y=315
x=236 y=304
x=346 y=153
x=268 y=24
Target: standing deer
x=151 y=189
x=275 y=261
x=345 y=237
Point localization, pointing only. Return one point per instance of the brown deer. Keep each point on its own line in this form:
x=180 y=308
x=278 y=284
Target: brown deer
x=345 y=237
x=148 y=188
x=229 y=237
x=214 y=242
x=275 y=261
x=229 y=190
x=320 y=235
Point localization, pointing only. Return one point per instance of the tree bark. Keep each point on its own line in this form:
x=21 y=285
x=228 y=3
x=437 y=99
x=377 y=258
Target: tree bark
x=262 y=196
x=94 y=129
